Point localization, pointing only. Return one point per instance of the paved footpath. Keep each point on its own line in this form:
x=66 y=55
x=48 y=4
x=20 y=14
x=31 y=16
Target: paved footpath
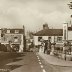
x=56 y=64
x=54 y=60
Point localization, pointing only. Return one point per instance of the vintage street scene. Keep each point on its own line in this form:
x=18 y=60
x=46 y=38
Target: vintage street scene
x=35 y=35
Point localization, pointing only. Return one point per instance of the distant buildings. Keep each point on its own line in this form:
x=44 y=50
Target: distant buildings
x=16 y=36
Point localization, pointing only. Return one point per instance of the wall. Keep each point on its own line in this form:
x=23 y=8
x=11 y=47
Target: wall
x=35 y=40
x=65 y=31
x=69 y=35
x=45 y=37
x=10 y=37
x=21 y=45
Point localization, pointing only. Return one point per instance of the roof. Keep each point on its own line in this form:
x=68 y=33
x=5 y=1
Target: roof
x=50 y=32
x=20 y=31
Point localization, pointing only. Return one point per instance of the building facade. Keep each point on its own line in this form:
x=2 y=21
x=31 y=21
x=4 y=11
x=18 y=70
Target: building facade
x=54 y=35
x=15 y=36
x=67 y=32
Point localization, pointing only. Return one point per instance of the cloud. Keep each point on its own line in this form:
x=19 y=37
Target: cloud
x=33 y=13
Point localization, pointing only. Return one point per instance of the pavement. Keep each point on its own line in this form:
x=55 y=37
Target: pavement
x=54 y=60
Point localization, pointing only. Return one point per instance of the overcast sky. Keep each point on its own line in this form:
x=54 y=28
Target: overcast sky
x=34 y=13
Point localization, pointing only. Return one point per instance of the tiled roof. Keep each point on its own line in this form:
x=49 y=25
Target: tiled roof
x=50 y=32
x=21 y=31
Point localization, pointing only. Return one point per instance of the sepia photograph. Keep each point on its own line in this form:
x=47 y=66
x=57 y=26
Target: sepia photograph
x=35 y=35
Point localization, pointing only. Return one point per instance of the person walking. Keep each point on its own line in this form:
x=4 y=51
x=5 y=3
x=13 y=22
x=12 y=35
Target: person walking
x=49 y=47
x=45 y=47
x=9 y=48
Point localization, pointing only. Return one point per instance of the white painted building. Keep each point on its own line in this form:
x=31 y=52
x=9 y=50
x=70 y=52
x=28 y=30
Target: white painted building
x=54 y=35
x=67 y=32
x=59 y=36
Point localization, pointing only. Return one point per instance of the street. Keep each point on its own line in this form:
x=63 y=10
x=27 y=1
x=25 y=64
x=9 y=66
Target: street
x=26 y=62
x=29 y=62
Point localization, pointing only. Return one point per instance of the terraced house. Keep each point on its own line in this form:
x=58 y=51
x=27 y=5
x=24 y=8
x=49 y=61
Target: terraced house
x=15 y=36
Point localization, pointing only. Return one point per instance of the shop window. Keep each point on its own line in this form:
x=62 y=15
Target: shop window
x=39 y=38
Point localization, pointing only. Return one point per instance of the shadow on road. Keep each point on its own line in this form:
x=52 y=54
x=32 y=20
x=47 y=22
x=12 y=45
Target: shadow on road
x=15 y=60
x=6 y=58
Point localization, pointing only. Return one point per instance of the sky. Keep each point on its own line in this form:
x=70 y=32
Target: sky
x=34 y=13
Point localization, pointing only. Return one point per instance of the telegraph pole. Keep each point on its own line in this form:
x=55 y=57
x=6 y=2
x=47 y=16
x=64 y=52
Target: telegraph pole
x=24 y=39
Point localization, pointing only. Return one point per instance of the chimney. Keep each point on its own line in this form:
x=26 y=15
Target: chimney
x=45 y=26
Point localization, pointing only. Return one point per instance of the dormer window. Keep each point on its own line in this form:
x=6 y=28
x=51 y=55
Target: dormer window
x=16 y=31
x=8 y=31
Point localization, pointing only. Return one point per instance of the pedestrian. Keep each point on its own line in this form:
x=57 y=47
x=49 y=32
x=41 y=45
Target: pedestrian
x=9 y=49
x=49 y=47
x=69 y=48
x=42 y=46
x=45 y=47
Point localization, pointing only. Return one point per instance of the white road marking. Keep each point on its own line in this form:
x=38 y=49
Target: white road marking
x=44 y=70
x=40 y=63
x=38 y=57
x=41 y=66
x=39 y=60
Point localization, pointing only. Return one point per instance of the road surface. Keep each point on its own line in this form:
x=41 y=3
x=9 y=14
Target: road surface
x=28 y=62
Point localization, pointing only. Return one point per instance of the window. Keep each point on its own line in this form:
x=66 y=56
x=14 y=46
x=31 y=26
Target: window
x=12 y=31
x=39 y=38
x=15 y=39
x=16 y=31
x=4 y=30
x=49 y=38
x=21 y=31
x=59 y=39
x=8 y=31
